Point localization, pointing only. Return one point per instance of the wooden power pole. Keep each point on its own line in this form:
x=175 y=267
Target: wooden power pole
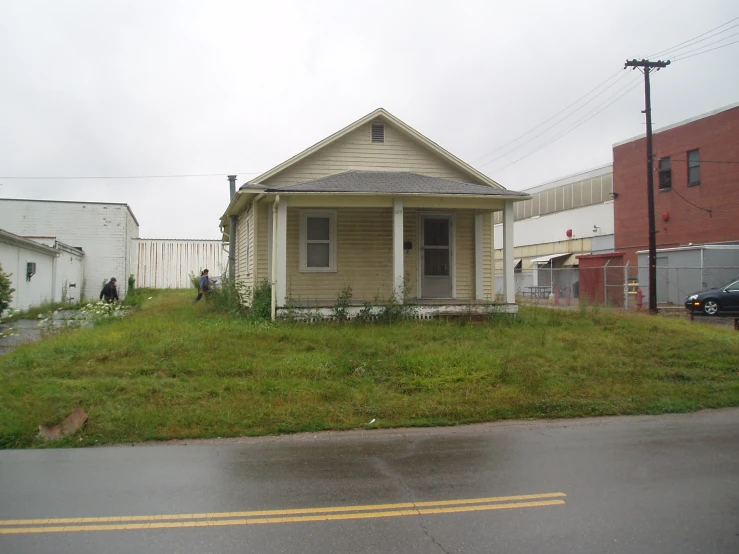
x=647 y=67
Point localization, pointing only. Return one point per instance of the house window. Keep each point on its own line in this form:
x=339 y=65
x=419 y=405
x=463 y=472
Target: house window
x=318 y=240
x=694 y=167
x=378 y=133
x=665 y=174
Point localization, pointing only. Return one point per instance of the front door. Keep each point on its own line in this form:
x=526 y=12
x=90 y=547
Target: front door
x=436 y=256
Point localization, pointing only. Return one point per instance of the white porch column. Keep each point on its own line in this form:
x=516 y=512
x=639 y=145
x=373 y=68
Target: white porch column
x=478 y=257
x=398 y=271
x=281 y=255
x=509 y=285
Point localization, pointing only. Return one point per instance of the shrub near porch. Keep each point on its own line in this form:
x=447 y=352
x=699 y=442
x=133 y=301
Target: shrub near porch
x=174 y=370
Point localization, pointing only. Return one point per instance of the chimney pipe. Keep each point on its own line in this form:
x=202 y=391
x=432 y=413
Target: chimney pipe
x=232 y=236
x=232 y=182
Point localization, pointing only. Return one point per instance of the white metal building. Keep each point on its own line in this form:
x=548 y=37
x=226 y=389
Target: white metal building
x=566 y=217
x=102 y=230
x=688 y=269
x=41 y=270
x=168 y=263
x=69 y=271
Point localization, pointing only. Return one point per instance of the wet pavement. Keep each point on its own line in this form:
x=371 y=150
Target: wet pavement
x=621 y=485
x=29 y=330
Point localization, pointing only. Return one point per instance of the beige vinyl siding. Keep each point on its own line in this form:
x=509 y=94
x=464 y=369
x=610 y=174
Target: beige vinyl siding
x=488 y=283
x=261 y=259
x=363 y=258
x=399 y=152
x=465 y=254
x=244 y=248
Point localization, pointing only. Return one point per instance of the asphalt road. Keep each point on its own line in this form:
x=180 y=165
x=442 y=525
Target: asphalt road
x=627 y=485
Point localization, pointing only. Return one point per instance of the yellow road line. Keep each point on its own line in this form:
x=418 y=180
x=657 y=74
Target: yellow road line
x=288 y=512
x=265 y=520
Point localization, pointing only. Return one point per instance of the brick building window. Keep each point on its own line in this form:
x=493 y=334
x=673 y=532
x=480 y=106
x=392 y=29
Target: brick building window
x=694 y=167
x=665 y=174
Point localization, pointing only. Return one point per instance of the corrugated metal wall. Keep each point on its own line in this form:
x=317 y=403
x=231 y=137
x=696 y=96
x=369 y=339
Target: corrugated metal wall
x=168 y=263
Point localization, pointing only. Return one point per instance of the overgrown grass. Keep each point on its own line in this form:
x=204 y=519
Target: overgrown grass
x=177 y=370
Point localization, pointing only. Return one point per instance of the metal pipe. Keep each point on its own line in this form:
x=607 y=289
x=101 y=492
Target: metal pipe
x=274 y=256
x=232 y=236
x=232 y=182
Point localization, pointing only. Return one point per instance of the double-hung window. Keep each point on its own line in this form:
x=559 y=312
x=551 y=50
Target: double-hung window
x=694 y=167
x=318 y=240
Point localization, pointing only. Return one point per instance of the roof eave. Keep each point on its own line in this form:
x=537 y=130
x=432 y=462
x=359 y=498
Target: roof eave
x=514 y=197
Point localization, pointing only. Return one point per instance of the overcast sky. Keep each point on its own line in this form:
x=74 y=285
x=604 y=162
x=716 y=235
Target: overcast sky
x=90 y=88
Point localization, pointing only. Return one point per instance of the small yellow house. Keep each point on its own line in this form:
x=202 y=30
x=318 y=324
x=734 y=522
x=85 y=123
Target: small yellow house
x=381 y=208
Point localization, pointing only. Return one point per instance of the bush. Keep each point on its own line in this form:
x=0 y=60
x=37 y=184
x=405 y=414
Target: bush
x=343 y=302
x=260 y=301
x=6 y=291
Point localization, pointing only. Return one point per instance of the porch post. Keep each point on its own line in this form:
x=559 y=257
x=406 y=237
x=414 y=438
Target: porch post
x=281 y=254
x=398 y=272
x=478 y=257
x=509 y=286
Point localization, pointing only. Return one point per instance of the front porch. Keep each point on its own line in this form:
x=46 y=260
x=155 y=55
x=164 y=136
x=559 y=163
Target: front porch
x=436 y=254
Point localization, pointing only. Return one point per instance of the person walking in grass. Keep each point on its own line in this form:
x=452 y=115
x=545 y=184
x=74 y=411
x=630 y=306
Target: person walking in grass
x=203 y=285
x=110 y=291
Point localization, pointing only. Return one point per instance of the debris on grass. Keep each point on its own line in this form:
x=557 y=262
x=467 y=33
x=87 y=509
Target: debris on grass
x=71 y=424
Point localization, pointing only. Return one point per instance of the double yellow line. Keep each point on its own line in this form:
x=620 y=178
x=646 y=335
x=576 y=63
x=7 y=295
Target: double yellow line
x=217 y=519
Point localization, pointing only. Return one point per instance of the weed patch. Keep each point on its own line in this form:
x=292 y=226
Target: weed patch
x=172 y=369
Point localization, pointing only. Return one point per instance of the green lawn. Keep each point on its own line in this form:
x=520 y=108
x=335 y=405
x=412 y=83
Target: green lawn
x=177 y=370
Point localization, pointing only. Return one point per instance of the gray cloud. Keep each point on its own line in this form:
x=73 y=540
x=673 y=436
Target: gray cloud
x=152 y=88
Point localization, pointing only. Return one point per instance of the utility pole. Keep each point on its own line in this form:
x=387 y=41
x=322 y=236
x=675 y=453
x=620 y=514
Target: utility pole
x=647 y=67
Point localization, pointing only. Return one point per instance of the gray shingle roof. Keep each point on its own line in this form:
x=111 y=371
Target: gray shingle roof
x=392 y=182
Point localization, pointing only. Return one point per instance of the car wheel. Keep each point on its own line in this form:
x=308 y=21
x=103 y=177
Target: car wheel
x=710 y=307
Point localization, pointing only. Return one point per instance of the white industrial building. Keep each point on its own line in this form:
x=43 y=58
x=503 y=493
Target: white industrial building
x=41 y=269
x=565 y=218
x=103 y=231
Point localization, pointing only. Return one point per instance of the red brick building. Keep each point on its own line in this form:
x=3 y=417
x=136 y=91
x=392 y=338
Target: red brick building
x=696 y=184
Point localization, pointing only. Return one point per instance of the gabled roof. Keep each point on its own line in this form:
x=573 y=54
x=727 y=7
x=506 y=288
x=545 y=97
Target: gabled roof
x=391 y=182
x=380 y=113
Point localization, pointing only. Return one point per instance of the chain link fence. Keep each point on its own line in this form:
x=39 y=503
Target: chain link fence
x=617 y=286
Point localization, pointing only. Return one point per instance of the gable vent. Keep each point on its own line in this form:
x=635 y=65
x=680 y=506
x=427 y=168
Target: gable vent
x=378 y=133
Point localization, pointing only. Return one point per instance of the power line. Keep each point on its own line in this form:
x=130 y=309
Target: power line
x=710 y=212
x=672 y=48
x=101 y=177
x=685 y=44
x=706 y=45
x=552 y=125
x=578 y=123
x=705 y=51
x=548 y=120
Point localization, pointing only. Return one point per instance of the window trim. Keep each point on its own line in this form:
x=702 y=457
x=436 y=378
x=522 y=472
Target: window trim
x=303 y=239
x=689 y=167
x=661 y=171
